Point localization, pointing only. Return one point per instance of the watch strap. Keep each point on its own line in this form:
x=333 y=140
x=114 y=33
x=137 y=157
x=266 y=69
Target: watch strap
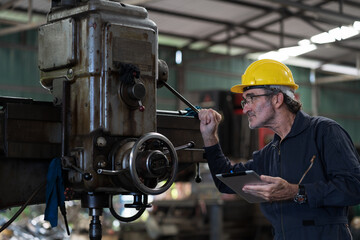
x=301 y=197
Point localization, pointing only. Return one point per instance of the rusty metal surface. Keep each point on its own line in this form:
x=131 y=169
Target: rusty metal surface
x=103 y=40
x=108 y=35
x=59 y=39
x=136 y=45
x=101 y=105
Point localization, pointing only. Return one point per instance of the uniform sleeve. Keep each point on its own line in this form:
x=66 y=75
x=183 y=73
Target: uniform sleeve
x=218 y=163
x=341 y=163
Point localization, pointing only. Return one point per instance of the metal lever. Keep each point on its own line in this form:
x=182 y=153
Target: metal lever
x=109 y=172
x=86 y=176
x=198 y=178
x=67 y=163
x=141 y=106
x=190 y=144
x=176 y=93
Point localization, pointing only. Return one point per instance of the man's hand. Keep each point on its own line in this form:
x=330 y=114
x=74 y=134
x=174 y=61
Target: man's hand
x=278 y=189
x=209 y=122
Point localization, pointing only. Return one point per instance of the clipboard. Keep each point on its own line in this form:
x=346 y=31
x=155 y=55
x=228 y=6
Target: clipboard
x=236 y=181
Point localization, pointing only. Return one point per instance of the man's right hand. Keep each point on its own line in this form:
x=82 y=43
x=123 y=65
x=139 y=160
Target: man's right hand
x=209 y=122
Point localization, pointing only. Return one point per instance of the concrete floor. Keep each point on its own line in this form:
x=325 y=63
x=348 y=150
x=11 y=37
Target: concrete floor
x=86 y=237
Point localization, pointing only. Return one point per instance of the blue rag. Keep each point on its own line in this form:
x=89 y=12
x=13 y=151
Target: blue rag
x=54 y=192
x=190 y=112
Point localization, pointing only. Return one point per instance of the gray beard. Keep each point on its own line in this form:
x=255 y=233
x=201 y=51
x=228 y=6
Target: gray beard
x=268 y=120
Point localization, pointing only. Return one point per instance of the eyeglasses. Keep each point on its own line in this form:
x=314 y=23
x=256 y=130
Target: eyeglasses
x=249 y=98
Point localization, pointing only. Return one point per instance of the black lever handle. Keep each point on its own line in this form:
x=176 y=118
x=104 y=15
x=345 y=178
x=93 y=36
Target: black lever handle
x=198 y=178
x=190 y=144
x=176 y=93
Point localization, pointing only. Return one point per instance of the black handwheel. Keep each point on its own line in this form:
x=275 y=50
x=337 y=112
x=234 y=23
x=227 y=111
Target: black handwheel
x=153 y=151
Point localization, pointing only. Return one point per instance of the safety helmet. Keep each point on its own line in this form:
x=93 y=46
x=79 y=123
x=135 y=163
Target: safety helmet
x=266 y=72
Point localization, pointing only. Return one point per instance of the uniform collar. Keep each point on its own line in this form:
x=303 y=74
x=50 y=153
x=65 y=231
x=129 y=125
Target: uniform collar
x=301 y=122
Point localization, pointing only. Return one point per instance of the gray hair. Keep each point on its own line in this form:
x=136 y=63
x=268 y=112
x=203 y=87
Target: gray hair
x=289 y=97
x=284 y=89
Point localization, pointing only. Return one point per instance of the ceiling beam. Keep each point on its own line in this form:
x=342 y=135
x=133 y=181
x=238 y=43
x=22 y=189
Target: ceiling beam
x=8 y=4
x=220 y=22
x=341 y=18
x=10 y=22
x=337 y=78
x=268 y=43
x=18 y=46
x=243 y=25
x=197 y=39
x=249 y=49
x=19 y=28
x=288 y=14
x=313 y=24
x=189 y=16
x=209 y=36
x=353 y=3
x=284 y=15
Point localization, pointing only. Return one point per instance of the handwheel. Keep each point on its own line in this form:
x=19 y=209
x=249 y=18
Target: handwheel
x=152 y=159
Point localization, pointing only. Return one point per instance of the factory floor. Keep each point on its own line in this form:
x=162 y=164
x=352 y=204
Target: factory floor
x=86 y=237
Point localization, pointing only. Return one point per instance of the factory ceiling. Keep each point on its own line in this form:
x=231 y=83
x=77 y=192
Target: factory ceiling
x=328 y=31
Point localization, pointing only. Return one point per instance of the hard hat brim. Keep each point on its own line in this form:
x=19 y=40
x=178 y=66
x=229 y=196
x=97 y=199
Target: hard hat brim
x=239 y=88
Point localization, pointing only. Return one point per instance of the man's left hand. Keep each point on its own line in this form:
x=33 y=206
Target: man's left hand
x=278 y=189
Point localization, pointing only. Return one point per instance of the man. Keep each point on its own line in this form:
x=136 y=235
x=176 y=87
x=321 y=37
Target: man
x=311 y=164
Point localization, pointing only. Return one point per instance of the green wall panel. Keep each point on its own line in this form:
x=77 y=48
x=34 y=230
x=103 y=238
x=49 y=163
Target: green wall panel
x=336 y=102
x=19 y=74
x=304 y=93
x=200 y=71
x=341 y=102
x=200 y=81
x=165 y=99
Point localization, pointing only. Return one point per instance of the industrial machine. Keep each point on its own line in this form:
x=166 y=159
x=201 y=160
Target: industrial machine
x=99 y=60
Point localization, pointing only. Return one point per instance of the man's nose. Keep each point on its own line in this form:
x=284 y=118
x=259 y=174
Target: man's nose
x=246 y=108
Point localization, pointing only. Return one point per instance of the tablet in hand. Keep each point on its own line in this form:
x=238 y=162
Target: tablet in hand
x=237 y=180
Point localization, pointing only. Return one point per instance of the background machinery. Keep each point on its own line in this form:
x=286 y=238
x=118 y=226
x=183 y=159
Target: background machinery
x=99 y=60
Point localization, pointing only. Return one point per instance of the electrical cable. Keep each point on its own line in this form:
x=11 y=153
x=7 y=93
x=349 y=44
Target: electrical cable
x=63 y=212
x=7 y=224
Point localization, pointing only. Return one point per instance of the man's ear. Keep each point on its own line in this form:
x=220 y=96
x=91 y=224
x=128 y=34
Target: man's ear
x=278 y=100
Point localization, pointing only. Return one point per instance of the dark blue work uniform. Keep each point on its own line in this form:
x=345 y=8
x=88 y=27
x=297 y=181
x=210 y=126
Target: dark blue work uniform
x=332 y=184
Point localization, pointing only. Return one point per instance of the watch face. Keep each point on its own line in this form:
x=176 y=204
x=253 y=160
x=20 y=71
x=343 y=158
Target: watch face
x=300 y=199
x=301 y=196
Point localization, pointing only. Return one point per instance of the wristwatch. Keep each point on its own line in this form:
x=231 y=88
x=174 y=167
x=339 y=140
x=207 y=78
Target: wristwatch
x=301 y=197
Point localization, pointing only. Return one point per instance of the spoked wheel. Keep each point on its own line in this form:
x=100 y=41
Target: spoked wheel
x=153 y=160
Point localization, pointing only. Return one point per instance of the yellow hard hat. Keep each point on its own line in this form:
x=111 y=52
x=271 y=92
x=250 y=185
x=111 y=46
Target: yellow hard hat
x=266 y=72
